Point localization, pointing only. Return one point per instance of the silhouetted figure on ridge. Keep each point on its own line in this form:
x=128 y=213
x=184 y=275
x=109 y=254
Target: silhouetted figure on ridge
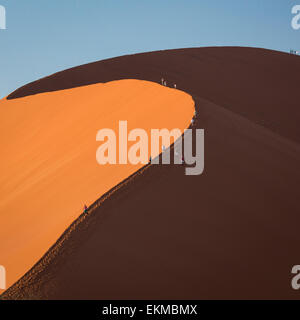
x=85 y=209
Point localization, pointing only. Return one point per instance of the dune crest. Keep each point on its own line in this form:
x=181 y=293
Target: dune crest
x=48 y=164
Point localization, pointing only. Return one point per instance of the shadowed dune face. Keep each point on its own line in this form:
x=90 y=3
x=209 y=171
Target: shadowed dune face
x=48 y=158
x=232 y=232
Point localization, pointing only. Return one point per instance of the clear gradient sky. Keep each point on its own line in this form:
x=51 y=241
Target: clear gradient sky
x=45 y=36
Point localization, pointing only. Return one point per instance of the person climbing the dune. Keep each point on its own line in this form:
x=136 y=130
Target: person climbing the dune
x=85 y=209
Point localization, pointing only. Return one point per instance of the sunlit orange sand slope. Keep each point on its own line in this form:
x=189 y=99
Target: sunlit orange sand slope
x=48 y=157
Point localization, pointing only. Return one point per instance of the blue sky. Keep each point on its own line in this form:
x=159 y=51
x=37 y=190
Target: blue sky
x=45 y=36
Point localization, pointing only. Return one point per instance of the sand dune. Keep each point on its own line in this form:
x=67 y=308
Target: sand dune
x=229 y=233
x=48 y=159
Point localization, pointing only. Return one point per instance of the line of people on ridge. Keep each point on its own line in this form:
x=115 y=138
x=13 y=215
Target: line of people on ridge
x=164 y=83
